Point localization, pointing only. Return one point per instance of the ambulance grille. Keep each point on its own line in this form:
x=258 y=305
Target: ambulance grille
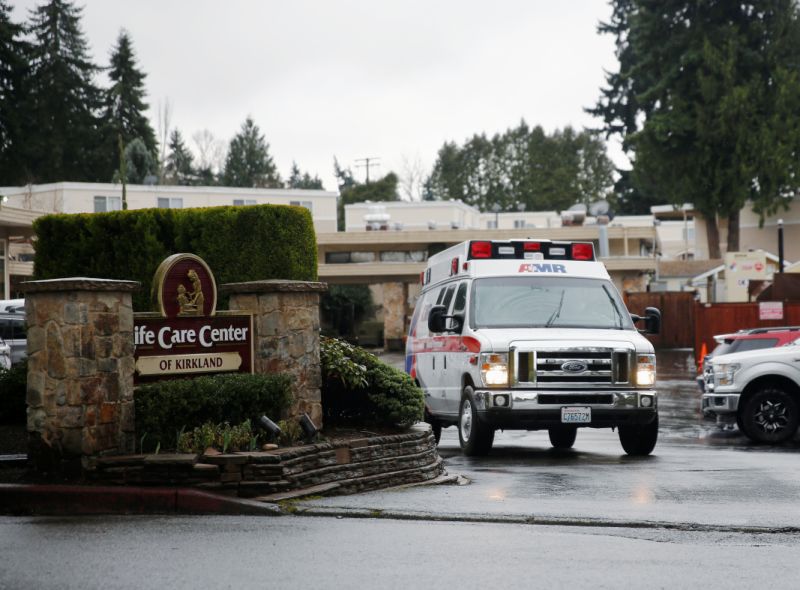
x=572 y=366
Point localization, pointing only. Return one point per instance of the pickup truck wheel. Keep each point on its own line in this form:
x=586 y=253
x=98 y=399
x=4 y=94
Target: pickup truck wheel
x=639 y=439
x=563 y=437
x=436 y=426
x=475 y=437
x=770 y=416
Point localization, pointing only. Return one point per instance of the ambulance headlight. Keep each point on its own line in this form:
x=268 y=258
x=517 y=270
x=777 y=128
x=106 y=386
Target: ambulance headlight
x=645 y=370
x=494 y=368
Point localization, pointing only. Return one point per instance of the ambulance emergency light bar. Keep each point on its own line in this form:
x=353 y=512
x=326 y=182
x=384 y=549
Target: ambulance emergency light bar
x=530 y=249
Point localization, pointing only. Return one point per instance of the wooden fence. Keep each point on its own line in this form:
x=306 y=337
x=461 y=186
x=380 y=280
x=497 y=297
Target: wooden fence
x=677 y=316
x=723 y=318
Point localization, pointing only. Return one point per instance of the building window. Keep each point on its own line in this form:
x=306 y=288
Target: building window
x=170 y=202
x=307 y=204
x=103 y=204
x=244 y=202
x=491 y=224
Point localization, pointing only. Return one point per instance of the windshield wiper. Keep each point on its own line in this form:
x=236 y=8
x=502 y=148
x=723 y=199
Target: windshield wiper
x=557 y=312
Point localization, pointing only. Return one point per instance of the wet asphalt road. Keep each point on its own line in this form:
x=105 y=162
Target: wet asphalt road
x=708 y=509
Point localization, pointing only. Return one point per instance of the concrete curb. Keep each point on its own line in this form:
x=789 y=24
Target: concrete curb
x=59 y=500
x=566 y=521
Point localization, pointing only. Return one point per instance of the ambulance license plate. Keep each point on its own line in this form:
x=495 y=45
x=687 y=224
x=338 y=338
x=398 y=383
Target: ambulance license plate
x=576 y=415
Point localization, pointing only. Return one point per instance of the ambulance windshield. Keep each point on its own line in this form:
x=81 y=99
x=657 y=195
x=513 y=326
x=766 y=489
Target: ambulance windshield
x=543 y=302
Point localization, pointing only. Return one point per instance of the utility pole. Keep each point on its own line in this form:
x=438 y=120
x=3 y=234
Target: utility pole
x=366 y=164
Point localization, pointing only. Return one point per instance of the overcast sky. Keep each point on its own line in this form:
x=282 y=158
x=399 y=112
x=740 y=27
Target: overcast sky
x=389 y=79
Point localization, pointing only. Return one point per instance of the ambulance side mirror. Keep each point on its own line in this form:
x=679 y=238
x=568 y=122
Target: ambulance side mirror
x=438 y=321
x=436 y=318
x=652 y=320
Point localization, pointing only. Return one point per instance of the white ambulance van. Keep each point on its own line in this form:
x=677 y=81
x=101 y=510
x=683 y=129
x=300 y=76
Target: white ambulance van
x=531 y=335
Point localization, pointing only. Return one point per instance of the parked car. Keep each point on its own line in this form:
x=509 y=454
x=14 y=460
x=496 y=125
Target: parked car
x=13 y=333
x=744 y=340
x=5 y=355
x=759 y=390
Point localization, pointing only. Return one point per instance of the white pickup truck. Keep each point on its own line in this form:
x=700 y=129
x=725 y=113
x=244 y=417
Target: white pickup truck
x=758 y=389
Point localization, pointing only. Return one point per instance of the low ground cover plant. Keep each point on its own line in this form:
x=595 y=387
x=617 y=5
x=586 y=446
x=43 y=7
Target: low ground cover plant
x=359 y=389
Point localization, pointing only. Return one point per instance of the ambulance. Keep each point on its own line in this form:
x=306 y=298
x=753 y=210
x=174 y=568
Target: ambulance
x=531 y=335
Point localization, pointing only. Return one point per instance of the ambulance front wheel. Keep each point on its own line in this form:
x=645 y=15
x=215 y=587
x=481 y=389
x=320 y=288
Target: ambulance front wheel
x=639 y=440
x=436 y=426
x=476 y=438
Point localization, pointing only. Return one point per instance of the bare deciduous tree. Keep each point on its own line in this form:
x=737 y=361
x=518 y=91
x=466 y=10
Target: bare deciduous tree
x=164 y=118
x=412 y=178
x=211 y=151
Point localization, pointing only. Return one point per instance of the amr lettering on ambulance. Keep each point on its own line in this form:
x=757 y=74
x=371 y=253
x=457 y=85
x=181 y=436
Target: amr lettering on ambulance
x=531 y=335
x=187 y=335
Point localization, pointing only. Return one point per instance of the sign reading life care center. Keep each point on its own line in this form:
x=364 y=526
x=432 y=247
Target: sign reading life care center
x=187 y=336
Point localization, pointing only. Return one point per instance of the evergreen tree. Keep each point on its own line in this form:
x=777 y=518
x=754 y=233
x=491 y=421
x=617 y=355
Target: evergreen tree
x=62 y=139
x=248 y=163
x=706 y=98
x=13 y=69
x=303 y=180
x=383 y=189
x=123 y=104
x=179 y=162
x=139 y=164
x=523 y=167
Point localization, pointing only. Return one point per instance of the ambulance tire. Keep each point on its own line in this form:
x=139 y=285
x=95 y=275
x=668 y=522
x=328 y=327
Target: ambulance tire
x=476 y=438
x=639 y=440
x=436 y=426
x=563 y=437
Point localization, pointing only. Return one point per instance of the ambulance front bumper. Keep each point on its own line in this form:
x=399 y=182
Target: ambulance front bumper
x=525 y=409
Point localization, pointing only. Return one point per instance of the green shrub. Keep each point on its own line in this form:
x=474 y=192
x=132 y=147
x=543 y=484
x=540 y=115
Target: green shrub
x=238 y=243
x=167 y=409
x=358 y=388
x=13 y=383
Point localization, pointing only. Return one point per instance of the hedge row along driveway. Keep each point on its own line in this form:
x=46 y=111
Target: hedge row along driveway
x=240 y=244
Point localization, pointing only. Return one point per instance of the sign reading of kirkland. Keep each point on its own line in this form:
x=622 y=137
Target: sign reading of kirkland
x=188 y=336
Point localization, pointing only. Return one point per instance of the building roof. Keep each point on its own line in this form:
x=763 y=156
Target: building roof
x=686 y=268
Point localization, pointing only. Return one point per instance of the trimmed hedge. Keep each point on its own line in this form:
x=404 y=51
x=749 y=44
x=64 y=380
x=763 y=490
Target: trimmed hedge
x=13 y=384
x=238 y=243
x=167 y=408
x=359 y=389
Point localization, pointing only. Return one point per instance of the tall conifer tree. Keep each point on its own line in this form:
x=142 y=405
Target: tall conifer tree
x=123 y=103
x=248 y=163
x=64 y=140
x=13 y=67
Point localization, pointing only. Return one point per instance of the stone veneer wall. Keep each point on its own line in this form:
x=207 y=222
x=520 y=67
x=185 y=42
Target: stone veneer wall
x=286 y=325
x=328 y=468
x=80 y=370
x=394 y=315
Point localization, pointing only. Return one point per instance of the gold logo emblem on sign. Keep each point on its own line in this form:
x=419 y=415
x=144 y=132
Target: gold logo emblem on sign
x=191 y=302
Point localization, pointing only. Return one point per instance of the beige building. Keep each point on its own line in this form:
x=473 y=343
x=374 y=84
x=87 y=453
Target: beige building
x=84 y=197
x=20 y=206
x=754 y=237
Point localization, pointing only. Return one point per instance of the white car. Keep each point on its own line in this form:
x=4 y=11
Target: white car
x=759 y=389
x=5 y=355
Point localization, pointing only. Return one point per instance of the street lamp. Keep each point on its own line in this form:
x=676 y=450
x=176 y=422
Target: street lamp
x=780 y=245
x=496 y=208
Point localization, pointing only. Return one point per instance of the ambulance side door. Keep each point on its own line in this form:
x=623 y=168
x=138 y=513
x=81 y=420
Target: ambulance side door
x=437 y=360
x=457 y=356
x=427 y=361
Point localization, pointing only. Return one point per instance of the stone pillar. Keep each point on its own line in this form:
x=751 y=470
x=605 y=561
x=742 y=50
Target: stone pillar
x=286 y=327
x=80 y=371
x=394 y=316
